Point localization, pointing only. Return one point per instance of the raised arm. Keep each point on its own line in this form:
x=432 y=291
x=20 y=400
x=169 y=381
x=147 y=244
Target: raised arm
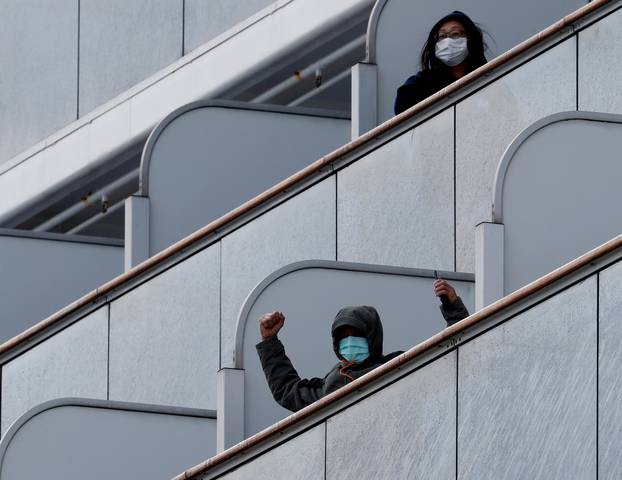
x=288 y=389
x=452 y=308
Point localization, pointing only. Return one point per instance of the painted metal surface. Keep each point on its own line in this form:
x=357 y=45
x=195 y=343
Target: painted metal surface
x=230 y=407
x=568 y=296
x=74 y=438
x=206 y=20
x=403 y=297
x=307 y=176
x=527 y=393
x=102 y=135
x=164 y=336
x=396 y=205
x=551 y=191
x=302 y=458
x=72 y=363
x=600 y=66
x=398 y=30
x=39 y=54
x=278 y=238
x=489 y=120
x=407 y=430
x=43 y=272
x=592 y=12
x=136 y=231
x=488 y=263
x=609 y=367
x=122 y=43
x=207 y=158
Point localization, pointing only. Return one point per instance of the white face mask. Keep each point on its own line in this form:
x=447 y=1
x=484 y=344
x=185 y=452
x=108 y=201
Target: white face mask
x=452 y=51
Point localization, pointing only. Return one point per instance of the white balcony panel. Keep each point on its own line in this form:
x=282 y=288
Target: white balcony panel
x=488 y=121
x=527 y=393
x=407 y=430
x=396 y=205
x=164 y=336
x=600 y=65
x=122 y=43
x=261 y=40
x=72 y=363
x=39 y=79
x=301 y=229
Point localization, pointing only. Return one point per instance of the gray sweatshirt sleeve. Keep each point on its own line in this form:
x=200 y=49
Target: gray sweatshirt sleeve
x=454 y=312
x=288 y=389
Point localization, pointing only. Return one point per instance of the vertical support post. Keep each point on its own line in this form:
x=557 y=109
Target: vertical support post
x=364 y=98
x=136 y=230
x=488 y=263
x=230 y=408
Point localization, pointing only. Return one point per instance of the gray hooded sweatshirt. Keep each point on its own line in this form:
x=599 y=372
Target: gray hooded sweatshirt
x=295 y=393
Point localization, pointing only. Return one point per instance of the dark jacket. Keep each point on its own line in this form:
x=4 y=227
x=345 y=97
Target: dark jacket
x=421 y=86
x=294 y=393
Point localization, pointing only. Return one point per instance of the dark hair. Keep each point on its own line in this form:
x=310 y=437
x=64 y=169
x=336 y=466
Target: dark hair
x=475 y=43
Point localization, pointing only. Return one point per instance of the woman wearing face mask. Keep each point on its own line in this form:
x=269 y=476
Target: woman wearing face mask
x=455 y=47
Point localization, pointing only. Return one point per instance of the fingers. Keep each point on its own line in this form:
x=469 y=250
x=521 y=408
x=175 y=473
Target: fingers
x=271 y=323
x=278 y=317
x=443 y=287
x=440 y=287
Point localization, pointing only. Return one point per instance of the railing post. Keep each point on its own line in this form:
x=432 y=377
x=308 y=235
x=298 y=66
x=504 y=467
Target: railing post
x=136 y=230
x=230 y=408
x=364 y=98
x=488 y=263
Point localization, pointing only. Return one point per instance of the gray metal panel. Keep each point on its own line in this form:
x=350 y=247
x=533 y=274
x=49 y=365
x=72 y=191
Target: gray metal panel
x=207 y=158
x=396 y=205
x=80 y=438
x=43 y=273
x=301 y=458
x=527 y=393
x=404 y=298
x=552 y=191
x=488 y=121
x=164 y=336
x=73 y=362
x=600 y=65
x=205 y=20
x=399 y=28
x=122 y=42
x=609 y=378
x=39 y=58
x=302 y=228
x=407 y=430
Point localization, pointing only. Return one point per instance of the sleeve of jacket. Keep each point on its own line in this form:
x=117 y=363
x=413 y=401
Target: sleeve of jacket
x=288 y=389
x=410 y=93
x=454 y=312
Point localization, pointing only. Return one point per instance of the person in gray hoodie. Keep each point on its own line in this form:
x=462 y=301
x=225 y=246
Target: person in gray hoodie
x=357 y=343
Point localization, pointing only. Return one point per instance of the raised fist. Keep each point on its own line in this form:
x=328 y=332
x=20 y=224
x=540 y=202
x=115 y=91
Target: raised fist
x=270 y=324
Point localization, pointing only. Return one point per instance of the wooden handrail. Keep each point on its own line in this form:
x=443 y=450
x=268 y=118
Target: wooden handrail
x=426 y=346
x=301 y=175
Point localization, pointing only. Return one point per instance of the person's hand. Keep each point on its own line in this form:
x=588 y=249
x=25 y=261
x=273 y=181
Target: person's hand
x=443 y=287
x=270 y=324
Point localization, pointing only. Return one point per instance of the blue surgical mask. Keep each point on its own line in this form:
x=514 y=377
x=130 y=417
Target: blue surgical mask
x=354 y=349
